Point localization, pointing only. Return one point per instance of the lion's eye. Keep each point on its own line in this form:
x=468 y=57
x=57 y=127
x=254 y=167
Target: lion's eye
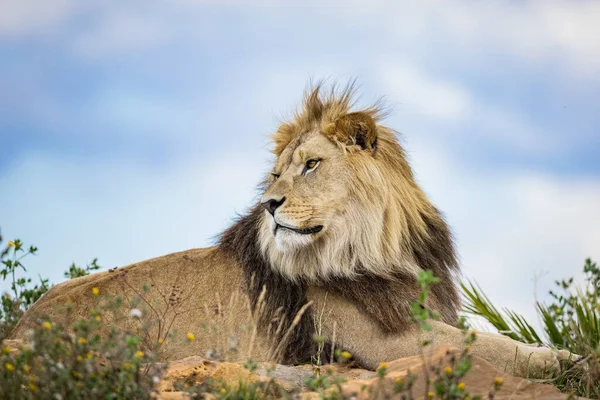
x=310 y=164
x=274 y=175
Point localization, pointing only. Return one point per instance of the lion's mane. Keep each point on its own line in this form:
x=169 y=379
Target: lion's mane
x=395 y=233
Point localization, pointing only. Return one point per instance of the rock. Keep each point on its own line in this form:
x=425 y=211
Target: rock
x=193 y=371
x=360 y=383
x=478 y=381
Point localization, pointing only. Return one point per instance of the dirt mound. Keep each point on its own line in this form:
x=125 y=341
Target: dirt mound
x=359 y=383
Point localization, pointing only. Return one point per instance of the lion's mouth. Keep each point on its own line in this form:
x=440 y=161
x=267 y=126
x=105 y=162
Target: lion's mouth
x=305 y=231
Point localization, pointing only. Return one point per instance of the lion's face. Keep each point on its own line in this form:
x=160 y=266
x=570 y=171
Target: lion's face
x=342 y=200
x=308 y=192
x=324 y=204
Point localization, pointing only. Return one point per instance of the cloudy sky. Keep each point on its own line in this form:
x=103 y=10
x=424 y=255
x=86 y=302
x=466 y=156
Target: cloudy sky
x=129 y=130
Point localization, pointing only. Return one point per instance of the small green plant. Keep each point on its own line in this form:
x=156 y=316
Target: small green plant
x=22 y=294
x=441 y=381
x=420 y=312
x=76 y=272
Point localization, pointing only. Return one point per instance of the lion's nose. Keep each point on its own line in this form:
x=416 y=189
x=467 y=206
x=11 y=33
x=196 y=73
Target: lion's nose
x=272 y=204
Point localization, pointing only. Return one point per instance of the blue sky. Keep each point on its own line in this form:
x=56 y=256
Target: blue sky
x=128 y=131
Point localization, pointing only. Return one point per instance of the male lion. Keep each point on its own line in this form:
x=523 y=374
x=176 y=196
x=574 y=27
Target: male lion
x=333 y=249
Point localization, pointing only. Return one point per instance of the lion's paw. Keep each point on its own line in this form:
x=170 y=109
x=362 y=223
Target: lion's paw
x=544 y=362
x=540 y=362
x=565 y=355
x=570 y=360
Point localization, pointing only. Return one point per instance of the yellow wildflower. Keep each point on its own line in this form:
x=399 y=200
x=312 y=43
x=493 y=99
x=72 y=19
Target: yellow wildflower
x=468 y=347
x=191 y=336
x=558 y=310
x=82 y=340
x=160 y=341
x=448 y=370
x=383 y=365
x=127 y=366
x=98 y=318
x=95 y=291
x=89 y=355
x=346 y=354
x=223 y=390
x=6 y=350
x=139 y=354
x=11 y=244
x=47 y=325
x=461 y=386
x=79 y=358
x=498 y=381
x=32 y=387
x=9 y=367
x=399 y=380
x=430 y=395
x=26 y=368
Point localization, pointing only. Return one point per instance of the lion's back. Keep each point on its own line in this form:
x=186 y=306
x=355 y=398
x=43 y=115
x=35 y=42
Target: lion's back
x=193 y=283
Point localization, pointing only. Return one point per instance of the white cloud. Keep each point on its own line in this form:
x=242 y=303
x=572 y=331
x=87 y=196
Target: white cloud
x=422 y=96
x=550 y=33
x=421 y=93
x=31 y=17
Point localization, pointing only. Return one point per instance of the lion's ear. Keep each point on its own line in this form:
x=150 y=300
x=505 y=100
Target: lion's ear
x=357 y=128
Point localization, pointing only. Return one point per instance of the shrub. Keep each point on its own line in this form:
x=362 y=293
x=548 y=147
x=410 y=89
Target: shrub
x=58 y=362
x=22 y=294
x=570 y=322
x=73 y=361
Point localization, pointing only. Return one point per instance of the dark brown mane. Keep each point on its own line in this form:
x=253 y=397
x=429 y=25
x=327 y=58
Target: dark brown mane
x=386 y=300
x=283 y=298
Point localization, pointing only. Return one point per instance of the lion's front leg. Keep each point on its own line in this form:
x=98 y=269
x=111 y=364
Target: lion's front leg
x=504 y=353
x=357 y=333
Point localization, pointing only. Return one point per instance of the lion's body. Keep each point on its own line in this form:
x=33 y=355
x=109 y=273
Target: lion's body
x=335 y=252
x=197 y=283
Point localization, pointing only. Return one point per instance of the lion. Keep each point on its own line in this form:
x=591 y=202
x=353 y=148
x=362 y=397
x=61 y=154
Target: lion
x=332 y=249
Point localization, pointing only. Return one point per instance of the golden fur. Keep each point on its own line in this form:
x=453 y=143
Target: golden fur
x=382 y=216
x=342 y=231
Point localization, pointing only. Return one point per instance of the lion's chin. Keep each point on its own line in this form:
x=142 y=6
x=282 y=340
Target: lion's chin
x=287 y=240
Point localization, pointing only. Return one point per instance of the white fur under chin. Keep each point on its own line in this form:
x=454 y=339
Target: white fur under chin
x=288 y=241
x=316 y=257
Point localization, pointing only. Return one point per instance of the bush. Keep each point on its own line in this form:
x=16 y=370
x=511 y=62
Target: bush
x=22 y=295
x=56 y=363
x=571 y=322
x=70 y=362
